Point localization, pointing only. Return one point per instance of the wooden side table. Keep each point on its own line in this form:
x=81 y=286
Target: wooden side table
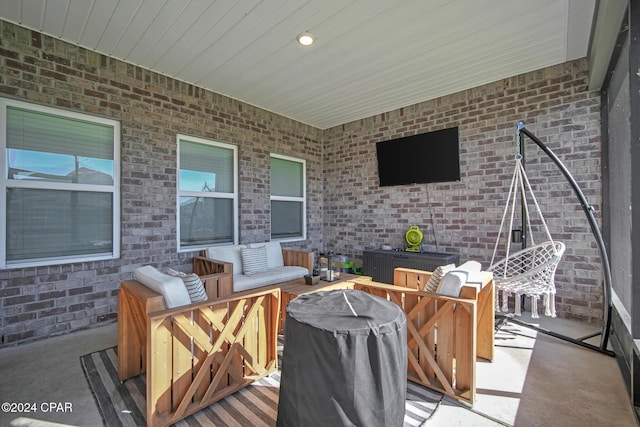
x=293 y=288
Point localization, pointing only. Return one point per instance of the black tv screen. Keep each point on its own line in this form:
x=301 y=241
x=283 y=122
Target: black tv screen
x=416 y=159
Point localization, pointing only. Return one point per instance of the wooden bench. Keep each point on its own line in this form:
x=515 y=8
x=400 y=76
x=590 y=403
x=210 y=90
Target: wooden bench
x=223 y=271
x=197 y=354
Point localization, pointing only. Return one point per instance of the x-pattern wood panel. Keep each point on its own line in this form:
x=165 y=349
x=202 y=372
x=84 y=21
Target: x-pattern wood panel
x=440 y=338
x=216 y=349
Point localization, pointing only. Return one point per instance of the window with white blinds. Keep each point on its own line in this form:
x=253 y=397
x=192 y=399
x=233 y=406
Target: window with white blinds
x=60 y=186
x=207 y=193
x=288 y=198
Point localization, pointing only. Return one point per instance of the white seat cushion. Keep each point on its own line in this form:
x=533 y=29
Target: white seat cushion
x=229 y=253
x=272 y=276
x=171 y=288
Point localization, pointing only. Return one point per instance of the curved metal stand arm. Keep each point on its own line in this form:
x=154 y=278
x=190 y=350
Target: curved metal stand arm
x=588 y=210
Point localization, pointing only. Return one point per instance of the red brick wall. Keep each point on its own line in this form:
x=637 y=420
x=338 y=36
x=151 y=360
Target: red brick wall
x=346 y=207
x=37 y=302
x=555 y=105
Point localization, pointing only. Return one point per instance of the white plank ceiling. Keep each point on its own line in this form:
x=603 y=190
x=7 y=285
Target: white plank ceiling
x=371 y=56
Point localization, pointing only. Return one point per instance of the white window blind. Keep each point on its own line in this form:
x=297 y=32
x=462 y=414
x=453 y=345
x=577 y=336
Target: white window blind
x=204 y=166
x=286 y=178
x=41 y=132
x=288 y=198
x=60 y=185
x=207 y=190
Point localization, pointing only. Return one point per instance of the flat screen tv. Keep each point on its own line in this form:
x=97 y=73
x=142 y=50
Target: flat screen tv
x=416 y=159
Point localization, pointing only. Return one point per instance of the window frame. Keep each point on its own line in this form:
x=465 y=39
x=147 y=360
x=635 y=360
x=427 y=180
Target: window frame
x=6 y=183
x=183 y=193
x=302 y=199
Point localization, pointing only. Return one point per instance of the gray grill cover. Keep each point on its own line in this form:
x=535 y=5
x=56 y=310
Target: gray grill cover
x=339 y=369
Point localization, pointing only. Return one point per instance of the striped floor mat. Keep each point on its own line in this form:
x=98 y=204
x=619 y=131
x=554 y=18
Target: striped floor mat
x=255 y=405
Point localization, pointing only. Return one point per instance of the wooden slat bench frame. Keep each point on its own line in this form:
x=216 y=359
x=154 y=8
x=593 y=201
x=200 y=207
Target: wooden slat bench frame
x=197 y=354
x=479 y=288
x=445 y=335
x=442 y=332
x=441 y=338
x=206 y=267
x=135 y=303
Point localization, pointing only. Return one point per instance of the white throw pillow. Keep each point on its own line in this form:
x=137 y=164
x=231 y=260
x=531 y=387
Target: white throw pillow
x=228 y=253
x=274 y=253
x=172 y=288
x=436 y=277
x=470 y=267
x=454 y=280
x=254 y=260
x=194 y=285
x=452 y=283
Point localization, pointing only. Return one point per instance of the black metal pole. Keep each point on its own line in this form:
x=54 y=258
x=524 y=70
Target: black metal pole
x=523 y=214
x=588 y=210
x=524 y=230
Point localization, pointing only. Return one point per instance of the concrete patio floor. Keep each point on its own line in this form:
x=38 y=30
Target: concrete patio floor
x=534 y=380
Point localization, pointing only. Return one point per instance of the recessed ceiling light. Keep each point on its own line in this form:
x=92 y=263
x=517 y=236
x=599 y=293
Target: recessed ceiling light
x=306 y=39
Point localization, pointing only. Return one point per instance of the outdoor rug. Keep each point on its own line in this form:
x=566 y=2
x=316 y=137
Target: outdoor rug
x=255 y=405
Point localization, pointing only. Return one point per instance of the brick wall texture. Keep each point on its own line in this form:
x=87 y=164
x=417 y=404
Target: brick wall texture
x=464 y=217
x=152 y=109
x=347 y=210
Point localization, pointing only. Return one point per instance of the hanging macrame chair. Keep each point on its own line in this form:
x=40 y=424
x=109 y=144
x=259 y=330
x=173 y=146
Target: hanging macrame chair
x=531 y=271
